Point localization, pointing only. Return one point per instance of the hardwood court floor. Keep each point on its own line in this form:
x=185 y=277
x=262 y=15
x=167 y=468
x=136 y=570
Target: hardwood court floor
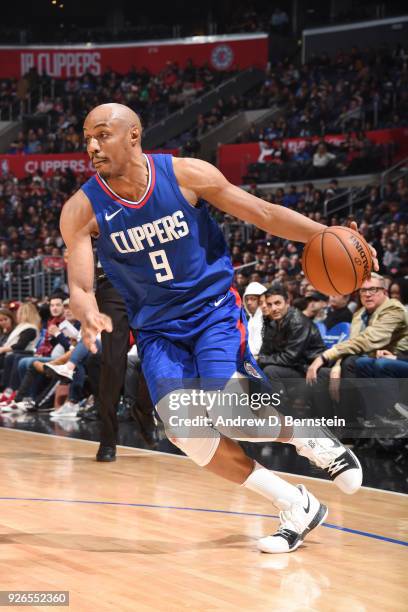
x=153 y=532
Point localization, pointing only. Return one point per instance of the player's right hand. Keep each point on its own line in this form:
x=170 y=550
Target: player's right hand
x=93 y=324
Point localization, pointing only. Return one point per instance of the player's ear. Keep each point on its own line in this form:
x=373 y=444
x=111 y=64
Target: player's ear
x=135 y=135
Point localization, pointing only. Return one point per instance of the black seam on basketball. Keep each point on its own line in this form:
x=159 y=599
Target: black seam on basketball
x=304 y=258
x=351 y=259
x=324 y=263
x=304 y=255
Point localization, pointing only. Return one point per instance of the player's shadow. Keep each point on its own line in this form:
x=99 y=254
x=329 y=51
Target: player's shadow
x=90 y=543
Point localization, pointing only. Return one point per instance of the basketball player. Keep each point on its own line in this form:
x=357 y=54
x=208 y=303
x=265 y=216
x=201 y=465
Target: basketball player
x=168 y=258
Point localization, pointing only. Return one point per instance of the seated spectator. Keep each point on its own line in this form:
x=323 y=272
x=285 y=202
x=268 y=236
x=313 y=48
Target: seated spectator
x=383 y=395
x=20 y=342
x=323 y=161
x=397 y=292
x=7 y=324
x=29 y=378
x=381 y=324
x=292 y=198
x=290 y=341
x=312 y=306
x=254 y=315
x=338 y=312
x=391 y=258
x=71 y=369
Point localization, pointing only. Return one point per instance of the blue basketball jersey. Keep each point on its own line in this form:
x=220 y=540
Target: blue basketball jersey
x=166 y=257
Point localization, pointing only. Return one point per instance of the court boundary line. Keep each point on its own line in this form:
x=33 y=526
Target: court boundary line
x=366 y=534
x=155 y=452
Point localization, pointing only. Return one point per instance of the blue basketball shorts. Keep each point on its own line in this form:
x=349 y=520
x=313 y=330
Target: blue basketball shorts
x=210 y=345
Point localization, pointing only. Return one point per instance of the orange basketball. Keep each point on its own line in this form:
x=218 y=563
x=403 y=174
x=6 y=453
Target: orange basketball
x=337 y=260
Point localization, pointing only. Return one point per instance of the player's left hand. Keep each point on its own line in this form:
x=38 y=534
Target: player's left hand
x=353 y=226
x=311 y=374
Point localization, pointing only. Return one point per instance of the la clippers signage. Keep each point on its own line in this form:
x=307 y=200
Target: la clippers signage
x=21 y=165
x=78 y=163
x=220 y=52
x=61 y=64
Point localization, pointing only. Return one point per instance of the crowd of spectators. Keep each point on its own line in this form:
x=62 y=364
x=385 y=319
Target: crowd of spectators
x=356 y=154
x=29 y=217
x=356 y=90
x=59 y=106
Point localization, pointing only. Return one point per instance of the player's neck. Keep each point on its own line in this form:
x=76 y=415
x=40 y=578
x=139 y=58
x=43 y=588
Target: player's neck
x=131 y=184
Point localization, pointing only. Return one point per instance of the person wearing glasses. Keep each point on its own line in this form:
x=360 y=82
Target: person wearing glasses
x=380 y=325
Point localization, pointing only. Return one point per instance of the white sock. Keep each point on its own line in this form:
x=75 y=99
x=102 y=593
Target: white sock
x=264 y=482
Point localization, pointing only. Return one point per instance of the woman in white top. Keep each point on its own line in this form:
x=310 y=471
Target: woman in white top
x=22 y=340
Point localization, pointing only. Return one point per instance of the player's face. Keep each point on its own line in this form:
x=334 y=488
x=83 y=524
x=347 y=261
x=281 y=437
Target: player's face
x=108 y=145
x=277 y=306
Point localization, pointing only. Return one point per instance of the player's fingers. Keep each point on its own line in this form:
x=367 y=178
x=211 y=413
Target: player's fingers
x=93 y=348
x=103 y=323
x=374 y=258
x=108 y=324
x=89 y=339
x=353 y=226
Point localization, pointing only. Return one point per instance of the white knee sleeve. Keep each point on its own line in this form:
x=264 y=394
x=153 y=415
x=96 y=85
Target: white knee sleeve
x=200 y=450
x=200 y=445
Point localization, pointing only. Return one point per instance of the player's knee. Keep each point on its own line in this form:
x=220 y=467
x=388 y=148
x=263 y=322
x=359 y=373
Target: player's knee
x=200 y=450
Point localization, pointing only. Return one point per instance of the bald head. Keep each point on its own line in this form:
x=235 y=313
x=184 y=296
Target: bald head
x=113 y=112
x=113 y=134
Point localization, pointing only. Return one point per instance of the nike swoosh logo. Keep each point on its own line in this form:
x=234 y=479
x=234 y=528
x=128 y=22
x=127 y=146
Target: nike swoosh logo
x=308 y=505
x=109 y=217
x=218 y=302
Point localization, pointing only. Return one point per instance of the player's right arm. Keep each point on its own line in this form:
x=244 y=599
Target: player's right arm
x=77 y=225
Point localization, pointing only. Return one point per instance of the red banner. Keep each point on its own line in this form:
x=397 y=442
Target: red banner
x=220 y=52
x=78 y=163
x=233 y=159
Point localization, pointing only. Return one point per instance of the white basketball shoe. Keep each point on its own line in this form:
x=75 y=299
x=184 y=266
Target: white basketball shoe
x=295 y=523
x=338 y=461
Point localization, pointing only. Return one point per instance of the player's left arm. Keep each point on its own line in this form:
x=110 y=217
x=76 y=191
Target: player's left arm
x=207 y=182
x=199 y=179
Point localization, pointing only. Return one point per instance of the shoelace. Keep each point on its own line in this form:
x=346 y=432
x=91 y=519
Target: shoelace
x=322 y=456
x=335 y=465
